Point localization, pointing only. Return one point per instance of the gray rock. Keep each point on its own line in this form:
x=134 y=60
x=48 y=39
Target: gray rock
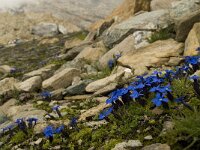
x=101 y=83
x=183 y=8
x=61 y=79
x=148 y=137
x=45 y=29
x=62 y=29
x=127 y=145
x=77 y=89
x=157 y=146
x=31 y=84
x=57 y=94
x=184 y=24
x=148 y=21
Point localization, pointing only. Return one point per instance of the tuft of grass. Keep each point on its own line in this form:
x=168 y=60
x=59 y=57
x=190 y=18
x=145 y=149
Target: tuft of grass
x=18 y=138
x=163 y=34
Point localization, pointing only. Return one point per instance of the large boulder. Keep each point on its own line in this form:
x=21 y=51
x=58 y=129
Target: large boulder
x=101 y=83
x=61 y=79
x=193 y=41
x=183 y=8
x=30 y=85
x=184 y=24
x=127 y=9
x=122 y=48
x=162 y=4
x=153 y=55
x=96 y=52
x=45 y=29
x=143 y=22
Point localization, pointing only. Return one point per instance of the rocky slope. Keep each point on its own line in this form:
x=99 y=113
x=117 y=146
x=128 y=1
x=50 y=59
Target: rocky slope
x=124 y=85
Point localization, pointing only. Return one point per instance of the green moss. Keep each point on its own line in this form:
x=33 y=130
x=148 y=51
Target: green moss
x=18 y=138
x=46 y=145
x=111 y=144
x=81 y=35
x=44 y=106
x=163 y=34
x=83 y=134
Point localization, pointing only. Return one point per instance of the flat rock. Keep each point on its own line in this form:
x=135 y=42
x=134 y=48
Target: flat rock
x=162 y=4
x=44 y=72
x=126 y=145
x=77 y=89
x=122 y=48
x=146 y=21
x=110 y=87
x=93 y=111
x=61 y=79
x=184 y=24
x=193 y=41
x=96 y=52
x=45 y=29
x=101 y=83
x=157 y=146
x=31 y=84
x=21 y=111
x=155 y=54
x=71 y=43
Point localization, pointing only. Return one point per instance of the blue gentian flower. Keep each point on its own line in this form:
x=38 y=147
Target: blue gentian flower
x=22 y=125
x=73 y=122
x=30 y=122
x=106 y=113
x=136 y=94
x=182 y=100
x=9 y=127
x=46 y=95
x=13 y=70
x=194 y=77
x=116 y=94
x=48 y=131
x=55 y=108
x=159 y=99
x=59 y=129
x=111 y=63
x=193 y=60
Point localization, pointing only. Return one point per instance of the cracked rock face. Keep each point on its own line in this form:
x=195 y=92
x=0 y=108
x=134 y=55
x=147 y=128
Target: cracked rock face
x=153 y=55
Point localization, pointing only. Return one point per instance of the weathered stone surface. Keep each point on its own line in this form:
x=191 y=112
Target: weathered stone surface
x=61 y=79
x=101 y=83
x=157 y=146
x=183 y=8
x=126 y=145
x=45 y=29
x=72 y=43
x=31 y=84
x=146 y=21
x=77 y=97
x=127 y=9
x=184 y=24
x=57 y=94
x=5 y=69
x=156 y=54
x=93 y=111
x=8 y=84
x=193 y=41
x=162 y=4
x=91 y=54
x=21 y=111
x=106 y=89
x=44 y=72
x=122 y=48
x=77 y=89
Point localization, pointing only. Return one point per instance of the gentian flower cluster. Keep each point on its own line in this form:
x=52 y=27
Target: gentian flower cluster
x=31 y=121
x=158 y=83
x=22 y=125
x=49 y=131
